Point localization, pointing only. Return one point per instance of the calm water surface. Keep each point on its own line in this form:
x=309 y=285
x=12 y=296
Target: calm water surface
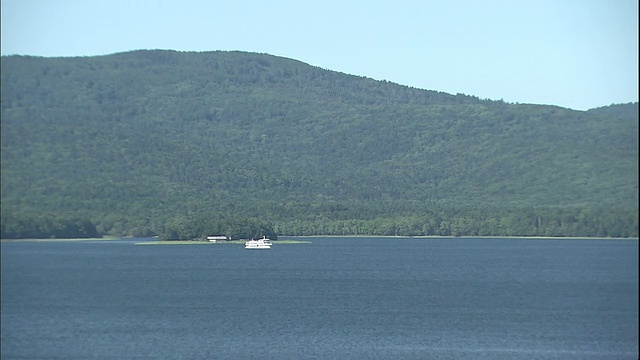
x=336 y=298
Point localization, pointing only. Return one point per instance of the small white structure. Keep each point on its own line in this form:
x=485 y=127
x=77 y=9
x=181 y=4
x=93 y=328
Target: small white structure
x=216 y=238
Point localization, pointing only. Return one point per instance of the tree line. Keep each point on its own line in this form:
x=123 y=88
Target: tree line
x=337 y=219
x=543 y=222
x=181 y=228
x=39 y=226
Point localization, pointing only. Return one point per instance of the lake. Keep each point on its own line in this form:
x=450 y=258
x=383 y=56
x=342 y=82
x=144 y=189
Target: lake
x=334 y=298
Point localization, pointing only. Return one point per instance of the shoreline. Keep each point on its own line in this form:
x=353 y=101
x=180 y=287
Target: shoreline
x=230 y=242
x=105 y=238
x=400 y=237
x=294 y=239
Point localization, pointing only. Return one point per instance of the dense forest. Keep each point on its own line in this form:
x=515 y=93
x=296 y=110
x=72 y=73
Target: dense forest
x=182 y=145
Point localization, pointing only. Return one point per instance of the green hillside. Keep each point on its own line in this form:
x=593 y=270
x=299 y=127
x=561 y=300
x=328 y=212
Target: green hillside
x=157 y=142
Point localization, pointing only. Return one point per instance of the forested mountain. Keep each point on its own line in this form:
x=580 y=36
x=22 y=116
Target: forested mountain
x=158 y=142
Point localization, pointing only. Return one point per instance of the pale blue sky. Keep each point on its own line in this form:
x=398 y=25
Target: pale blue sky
x=579 y=54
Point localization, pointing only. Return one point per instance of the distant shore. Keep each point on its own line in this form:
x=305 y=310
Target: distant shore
x=294 y=239
x=105 y=238
x=237 y=242
x=399 y=237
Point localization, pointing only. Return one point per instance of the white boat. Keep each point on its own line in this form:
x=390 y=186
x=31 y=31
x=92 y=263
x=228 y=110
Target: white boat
x=263 y=243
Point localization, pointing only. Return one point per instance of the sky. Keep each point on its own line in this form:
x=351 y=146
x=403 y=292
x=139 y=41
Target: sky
x=578 y=54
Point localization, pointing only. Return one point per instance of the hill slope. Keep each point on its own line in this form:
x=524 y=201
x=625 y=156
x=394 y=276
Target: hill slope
x=153 y=135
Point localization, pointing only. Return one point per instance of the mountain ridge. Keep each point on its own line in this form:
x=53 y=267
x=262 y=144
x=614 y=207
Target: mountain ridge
x=293 y=60
x=159 y=127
